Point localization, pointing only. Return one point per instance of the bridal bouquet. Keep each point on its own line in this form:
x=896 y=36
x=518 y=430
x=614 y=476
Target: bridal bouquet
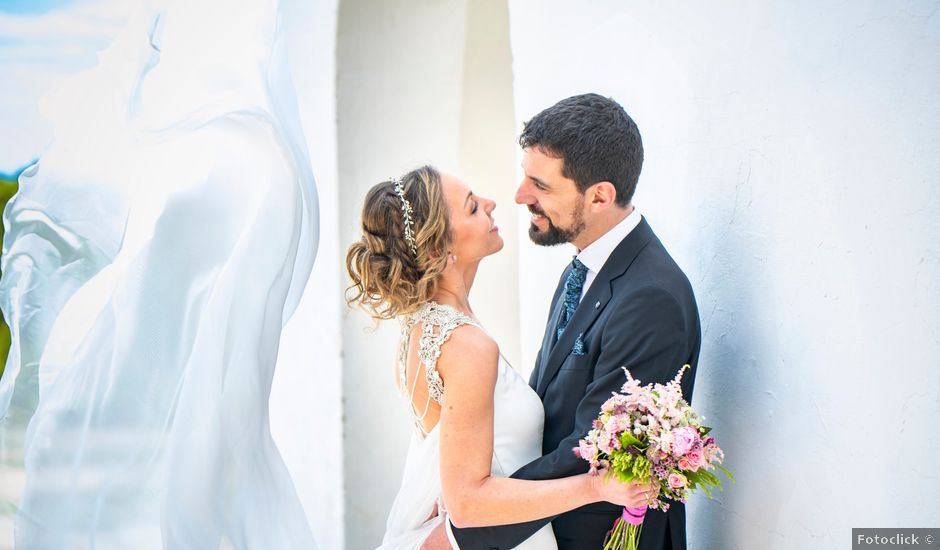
x=650 y=433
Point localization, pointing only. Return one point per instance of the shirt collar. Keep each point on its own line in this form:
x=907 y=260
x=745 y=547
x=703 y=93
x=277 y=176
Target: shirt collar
x=595 y=255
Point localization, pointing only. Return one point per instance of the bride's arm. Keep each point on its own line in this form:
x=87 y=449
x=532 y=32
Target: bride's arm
x=472 y=496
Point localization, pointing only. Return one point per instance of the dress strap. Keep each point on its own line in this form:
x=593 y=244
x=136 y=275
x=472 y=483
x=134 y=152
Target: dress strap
x=438 y=323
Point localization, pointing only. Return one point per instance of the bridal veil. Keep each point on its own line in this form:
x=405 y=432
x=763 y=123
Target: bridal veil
x=151 y=258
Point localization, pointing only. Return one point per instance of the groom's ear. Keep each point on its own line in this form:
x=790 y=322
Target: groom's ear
x=603 y=194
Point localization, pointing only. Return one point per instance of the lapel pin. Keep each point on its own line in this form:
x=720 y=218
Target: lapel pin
x=597 y=305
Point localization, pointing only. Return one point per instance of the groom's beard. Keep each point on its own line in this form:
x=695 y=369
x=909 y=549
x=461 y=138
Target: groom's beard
x=553 y=234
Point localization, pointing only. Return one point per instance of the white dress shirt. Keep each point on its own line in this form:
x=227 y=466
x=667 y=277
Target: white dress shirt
x=595 y=255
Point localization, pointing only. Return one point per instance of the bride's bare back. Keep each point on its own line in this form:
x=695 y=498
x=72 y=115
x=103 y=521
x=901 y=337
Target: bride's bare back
x=423 y=337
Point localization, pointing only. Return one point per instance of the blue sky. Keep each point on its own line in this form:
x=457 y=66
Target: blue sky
x=41 y=43
x=32 y=6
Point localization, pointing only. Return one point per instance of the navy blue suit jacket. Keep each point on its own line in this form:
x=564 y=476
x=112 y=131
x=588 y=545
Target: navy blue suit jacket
x=639 y=313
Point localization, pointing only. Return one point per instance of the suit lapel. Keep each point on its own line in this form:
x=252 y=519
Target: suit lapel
x=548 y=339
x=591 y=305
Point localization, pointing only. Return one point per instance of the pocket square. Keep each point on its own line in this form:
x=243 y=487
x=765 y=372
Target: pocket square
x=578 y=347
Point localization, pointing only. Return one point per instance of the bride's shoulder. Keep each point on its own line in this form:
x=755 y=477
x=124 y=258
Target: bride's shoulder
x=469 y=349
x=469 y=338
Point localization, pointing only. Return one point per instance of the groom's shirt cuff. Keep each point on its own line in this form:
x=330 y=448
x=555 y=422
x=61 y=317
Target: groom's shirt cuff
x=450 y=534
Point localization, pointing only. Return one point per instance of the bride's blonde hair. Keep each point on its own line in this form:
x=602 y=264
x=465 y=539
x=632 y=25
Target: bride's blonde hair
x=394 y=273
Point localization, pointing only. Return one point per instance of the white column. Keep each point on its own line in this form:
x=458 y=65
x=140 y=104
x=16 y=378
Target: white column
x=399 y=74
x=417 y=83
x=488 y=163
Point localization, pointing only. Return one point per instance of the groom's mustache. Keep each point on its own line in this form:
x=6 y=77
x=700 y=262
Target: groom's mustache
x=536 y=210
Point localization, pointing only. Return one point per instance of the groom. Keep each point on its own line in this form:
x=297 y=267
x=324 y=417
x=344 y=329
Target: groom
x=622 y=302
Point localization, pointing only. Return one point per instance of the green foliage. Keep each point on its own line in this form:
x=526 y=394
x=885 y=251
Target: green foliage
x=702 y=479
x=8 y=508
x=627 y=439
x=726 y=472
x=705 y=479
x=628 y=466
x=8 y=188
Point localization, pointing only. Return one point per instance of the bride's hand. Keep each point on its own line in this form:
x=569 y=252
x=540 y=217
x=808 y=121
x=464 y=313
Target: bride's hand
x=631 y=495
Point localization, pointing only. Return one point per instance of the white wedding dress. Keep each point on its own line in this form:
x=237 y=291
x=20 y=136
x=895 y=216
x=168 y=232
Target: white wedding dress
x=517 y=434
x=150 y=261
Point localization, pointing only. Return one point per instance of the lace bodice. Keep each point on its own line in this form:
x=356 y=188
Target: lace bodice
x=438 y=321
x=518 y=419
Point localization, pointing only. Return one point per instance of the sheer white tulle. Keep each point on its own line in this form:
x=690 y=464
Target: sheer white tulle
x=412 y=516
x=151 y=258
x=518 y=419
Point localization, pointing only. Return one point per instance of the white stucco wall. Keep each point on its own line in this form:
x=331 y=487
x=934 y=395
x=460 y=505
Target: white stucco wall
x=791 y=170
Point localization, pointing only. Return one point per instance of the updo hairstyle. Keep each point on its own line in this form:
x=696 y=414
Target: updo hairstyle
x=388 y=278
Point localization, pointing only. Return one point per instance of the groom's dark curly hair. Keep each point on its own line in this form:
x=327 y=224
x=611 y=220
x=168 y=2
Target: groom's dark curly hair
x=595 y=138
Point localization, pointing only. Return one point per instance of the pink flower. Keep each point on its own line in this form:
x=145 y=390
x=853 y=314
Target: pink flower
x=617 y=423
x=586 y=450
x=683 y=440
x=665 y=441
x=677 y=481
x=713 y=453
x=695 y=458
x=608 y=442
x=684 y=463
x=609 y=405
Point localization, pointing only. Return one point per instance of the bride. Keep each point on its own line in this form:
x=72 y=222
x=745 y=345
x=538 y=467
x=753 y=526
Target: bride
x=476 y=420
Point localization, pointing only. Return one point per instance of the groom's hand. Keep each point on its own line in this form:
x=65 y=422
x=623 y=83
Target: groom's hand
x=437 y=540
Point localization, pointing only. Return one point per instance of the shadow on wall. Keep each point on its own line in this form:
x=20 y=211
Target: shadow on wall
x=736 y=379
x=8 y=188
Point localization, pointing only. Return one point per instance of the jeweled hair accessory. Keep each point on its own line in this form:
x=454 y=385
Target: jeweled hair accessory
x=406 y=213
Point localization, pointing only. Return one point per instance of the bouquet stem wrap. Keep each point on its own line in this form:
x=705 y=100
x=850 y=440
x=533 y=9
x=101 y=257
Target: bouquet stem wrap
x=634 y=516
x=625 y=535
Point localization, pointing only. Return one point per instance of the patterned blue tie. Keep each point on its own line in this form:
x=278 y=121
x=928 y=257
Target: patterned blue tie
x=573 y=285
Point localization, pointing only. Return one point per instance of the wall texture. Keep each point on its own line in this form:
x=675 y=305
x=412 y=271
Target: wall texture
x=791 y=170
